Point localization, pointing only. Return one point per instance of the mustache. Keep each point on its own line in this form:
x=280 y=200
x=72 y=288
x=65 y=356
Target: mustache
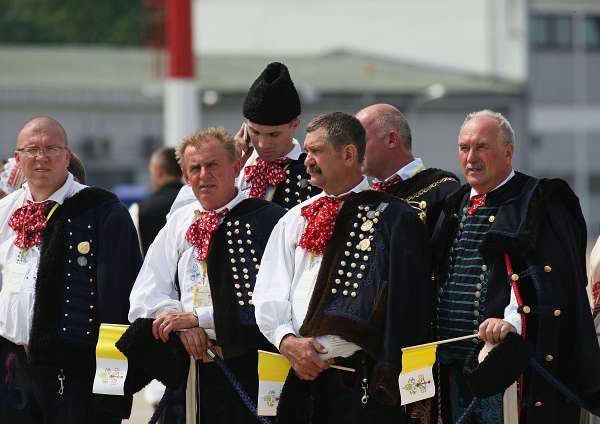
x=314 y=169
x=476 y=166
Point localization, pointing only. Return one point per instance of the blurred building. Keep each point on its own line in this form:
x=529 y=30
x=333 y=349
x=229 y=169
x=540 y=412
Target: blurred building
x=564 y=97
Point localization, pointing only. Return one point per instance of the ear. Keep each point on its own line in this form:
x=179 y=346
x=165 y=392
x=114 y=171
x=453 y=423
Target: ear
x=393 y=140
x=510 y=151
x=350 y=154
x=237 y=166
x=295 y=124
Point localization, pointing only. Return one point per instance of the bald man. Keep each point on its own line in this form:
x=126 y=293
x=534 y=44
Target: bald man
x=389 y=160
x=69 y=256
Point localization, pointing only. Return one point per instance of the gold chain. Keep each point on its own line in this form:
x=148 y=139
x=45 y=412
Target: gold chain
x=429 y=188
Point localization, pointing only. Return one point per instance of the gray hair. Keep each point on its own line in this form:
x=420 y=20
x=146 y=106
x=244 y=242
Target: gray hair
x=508 y=134
x=394 y=120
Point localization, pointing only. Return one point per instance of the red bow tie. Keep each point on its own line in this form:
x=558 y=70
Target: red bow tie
x=199 y=233
x=387 y=184
x=321 y=215
x=264 y=174
x=476 y=201
x=28 y=222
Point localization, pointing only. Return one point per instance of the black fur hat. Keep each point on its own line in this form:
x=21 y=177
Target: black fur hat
x=500 y=368
x=272 y=98
x=151 y=358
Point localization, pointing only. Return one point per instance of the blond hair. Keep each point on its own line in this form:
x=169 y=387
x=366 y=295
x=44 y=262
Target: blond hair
x=220 y=135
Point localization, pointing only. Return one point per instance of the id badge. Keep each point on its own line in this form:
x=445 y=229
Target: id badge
x=14 y=279
x=202 y=297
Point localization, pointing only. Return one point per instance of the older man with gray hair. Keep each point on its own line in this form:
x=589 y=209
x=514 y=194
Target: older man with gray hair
x=511 y=258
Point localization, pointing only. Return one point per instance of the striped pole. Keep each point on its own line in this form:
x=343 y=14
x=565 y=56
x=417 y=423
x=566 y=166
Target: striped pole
x=181 y=105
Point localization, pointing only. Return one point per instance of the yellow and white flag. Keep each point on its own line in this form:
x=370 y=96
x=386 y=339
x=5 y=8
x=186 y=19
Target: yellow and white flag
x=272 y=372
x=416 y=379
x=111 y=364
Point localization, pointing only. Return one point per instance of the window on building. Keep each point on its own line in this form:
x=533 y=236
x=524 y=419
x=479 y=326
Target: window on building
x=552 y=32
x=592 y=32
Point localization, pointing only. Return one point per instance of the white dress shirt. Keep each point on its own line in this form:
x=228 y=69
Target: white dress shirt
x=286 y=279
x=409 y=170
x=19 y=267
x=245 y=186
x=154 y=289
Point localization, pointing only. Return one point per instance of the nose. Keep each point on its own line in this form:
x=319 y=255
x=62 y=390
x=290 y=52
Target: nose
x=471 y=156
x=309 y=160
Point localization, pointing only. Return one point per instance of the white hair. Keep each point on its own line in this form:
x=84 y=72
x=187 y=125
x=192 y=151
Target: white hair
x=507 y=131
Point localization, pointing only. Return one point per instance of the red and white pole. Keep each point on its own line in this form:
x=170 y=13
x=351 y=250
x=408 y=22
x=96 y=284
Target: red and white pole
x=181 y=106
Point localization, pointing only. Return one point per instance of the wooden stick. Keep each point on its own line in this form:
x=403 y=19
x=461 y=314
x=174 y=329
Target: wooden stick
x=337 y=367
x=439 y=342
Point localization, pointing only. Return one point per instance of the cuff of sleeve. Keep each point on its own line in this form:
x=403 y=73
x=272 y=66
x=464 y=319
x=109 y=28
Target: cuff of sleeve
x=280 y=332
x=205 y=316
x=515 y=321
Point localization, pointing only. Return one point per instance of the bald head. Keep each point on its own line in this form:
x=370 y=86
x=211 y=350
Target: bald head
x=43 y=125
x=389 y=140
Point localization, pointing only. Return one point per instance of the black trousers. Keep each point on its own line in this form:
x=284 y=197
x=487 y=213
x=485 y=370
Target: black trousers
x=335 y=397
x=17 y=403
x=219 y=402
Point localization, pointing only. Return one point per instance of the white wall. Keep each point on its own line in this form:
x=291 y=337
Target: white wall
x=482 y=36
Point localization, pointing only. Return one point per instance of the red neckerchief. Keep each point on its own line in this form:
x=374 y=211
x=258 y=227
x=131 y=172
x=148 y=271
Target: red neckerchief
x=265 y=174
x=321 y=215
x=476 y=201
x=199 y=233
x=29 y=221
x=387 y=184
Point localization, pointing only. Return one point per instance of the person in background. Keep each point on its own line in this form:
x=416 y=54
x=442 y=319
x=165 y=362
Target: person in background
x=389 y=159
x=150 y=215
x=11 y=177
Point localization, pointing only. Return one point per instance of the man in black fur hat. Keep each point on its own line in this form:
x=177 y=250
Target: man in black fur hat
x=389 y=159
x=272 y=161
x=210 y=250
x=344 y=278
x=505 y=229
x=69 y=256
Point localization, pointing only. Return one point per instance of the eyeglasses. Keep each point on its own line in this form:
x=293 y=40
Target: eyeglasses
x=34 y=151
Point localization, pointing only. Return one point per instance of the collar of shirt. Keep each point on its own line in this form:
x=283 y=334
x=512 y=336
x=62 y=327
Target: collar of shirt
x=512 y=174
x=408 y=171
x=293 y=154
x=59 y=195
x=362 y=186
x=232 y=203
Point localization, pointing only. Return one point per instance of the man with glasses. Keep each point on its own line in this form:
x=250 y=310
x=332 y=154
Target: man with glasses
x=69 y=256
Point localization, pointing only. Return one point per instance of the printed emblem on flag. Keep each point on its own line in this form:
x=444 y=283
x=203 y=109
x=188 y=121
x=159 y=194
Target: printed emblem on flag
x=111 y=364
x=272 y=372
x=416 y=379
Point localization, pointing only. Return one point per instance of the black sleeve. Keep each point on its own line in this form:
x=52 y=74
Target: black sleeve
x=409 y=302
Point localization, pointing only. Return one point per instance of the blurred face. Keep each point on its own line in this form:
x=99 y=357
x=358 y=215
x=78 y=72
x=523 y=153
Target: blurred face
x=44 y=159
x=376 y=149
x=324 y=163
x=272 y=141
x=156 y=172
x=486 y=159
x=211 y=173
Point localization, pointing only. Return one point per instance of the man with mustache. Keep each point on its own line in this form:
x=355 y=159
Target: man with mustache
x=69 y=256
x=273 y=162
x=504 y=227
x=210 y=251
x=344 y=279
x=389 y=159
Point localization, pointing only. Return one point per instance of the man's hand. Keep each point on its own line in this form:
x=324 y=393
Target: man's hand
x=196 y=341
x=494 y=330
x=303 y=354
x=244 y=148
x=172 y=321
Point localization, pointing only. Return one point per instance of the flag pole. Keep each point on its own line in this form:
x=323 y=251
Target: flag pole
x=439 y=342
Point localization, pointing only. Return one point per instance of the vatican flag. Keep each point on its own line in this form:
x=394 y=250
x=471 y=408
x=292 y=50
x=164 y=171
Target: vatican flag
x=416 y=379
x=111 y=364
x=272 y=372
